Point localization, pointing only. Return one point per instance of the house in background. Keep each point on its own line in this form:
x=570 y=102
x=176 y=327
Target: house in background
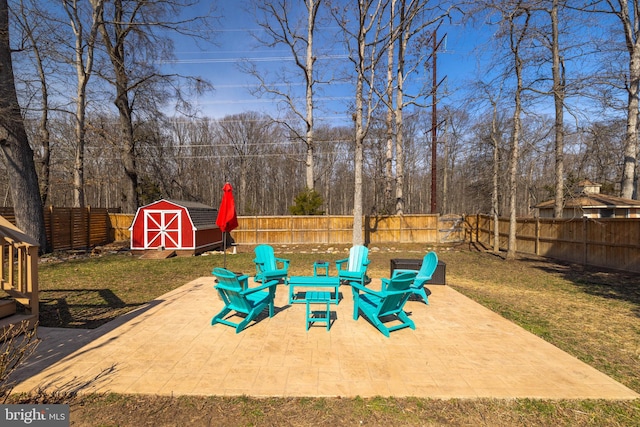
x=589 y=203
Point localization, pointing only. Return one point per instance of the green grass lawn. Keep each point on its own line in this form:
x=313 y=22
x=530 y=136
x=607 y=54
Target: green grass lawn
x=593 y=315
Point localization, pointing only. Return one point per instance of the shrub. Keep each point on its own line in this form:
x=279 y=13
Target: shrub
x=307 y=202
x=17 y=344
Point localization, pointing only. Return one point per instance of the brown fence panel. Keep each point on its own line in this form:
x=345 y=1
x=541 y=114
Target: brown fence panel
x=526 y=230
x=606 y=242
x=613 y=243
x=72 y=228
x=120 y=224
x=309 y=229
x=321 y=229
x=420 y=228
x=99 y=226
x=566 y=240
x=293 y=229
x=247 y=230
x=340 y=229
x=59 y=223
x=273 y=229
x=381 y=229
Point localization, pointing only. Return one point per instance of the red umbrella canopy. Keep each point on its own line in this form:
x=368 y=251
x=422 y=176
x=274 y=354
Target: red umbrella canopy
x=227 y=219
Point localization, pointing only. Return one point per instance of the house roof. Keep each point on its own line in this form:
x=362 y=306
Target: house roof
x=593 y=201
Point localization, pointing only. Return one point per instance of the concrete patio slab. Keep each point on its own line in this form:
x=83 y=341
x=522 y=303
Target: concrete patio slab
x=458 y=350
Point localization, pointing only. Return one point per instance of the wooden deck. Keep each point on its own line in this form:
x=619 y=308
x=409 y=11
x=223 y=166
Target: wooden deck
x=18 y=277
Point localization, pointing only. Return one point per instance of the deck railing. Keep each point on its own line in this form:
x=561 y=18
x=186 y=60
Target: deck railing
x=18 y=273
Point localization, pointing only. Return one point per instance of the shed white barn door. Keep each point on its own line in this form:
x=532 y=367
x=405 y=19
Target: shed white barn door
x=162 y=229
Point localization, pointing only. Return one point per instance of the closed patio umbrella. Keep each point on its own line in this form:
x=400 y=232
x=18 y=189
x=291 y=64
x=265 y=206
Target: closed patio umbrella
x=227 y=219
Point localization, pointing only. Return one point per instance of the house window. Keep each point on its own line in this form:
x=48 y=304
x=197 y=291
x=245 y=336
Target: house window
x=622 y=213
x=607 y=213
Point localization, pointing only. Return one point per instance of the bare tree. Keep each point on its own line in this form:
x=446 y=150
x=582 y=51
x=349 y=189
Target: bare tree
x=85 y=42
x=559 y=85
x=457 y=129
x=517 y=33
x=496 y=143
x=628 y=15
x=390 y=118
x=281 y=27
x=365 y=46
x=243 y=140
x=14 y=145
x=413 y=18
x=131 y=35
x=36 y=42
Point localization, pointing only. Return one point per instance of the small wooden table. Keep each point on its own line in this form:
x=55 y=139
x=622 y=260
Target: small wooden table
x=314 y=316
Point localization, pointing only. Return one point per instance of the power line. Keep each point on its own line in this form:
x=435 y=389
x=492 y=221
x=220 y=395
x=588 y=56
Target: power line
x=240 y=59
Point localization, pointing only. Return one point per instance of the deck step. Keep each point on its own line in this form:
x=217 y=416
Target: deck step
x=7 y=308
x=16 y=323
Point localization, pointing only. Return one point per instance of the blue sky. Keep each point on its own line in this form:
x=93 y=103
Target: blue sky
x=219 y=65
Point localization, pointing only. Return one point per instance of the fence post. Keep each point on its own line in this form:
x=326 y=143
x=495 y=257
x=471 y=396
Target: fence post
x=72 y=229
x=255 y=223
x=584 y=240
x=51 y=233
x=88 y=235
x=537 y=248
x=328 y=223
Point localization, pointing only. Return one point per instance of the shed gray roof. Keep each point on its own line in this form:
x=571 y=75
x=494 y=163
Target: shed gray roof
x=203 y=216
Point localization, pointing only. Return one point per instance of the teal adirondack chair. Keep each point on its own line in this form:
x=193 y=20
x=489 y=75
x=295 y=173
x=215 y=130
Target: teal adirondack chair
x=268 y=266
x=387 y=305
x=429 y=264
x=354 y=268
x=237 y=296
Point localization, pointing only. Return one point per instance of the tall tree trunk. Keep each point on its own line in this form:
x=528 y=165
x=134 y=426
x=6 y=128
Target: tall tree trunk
x=629 y=16
x=117 y=54
x=312 y=8
x=44 y=135
x=361 y=120
x=631 y=136
x=516 y=41
x=78 y=165
x=84 y=66
x=358 y=159
x=388 y=162
x=402 y=46
x=558 y=100
x=128 y=153
x=495 y=205
x=14 y=145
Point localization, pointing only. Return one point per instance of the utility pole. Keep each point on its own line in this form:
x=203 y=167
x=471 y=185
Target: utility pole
x=434 y=116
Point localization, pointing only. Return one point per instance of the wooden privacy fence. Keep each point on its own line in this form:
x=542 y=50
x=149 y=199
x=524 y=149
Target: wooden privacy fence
x=73 y=228
x=607 y=242
x=329 y=229
x=601 y=242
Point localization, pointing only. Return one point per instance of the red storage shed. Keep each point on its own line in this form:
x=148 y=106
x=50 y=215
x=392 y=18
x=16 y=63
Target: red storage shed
x=189 y=228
